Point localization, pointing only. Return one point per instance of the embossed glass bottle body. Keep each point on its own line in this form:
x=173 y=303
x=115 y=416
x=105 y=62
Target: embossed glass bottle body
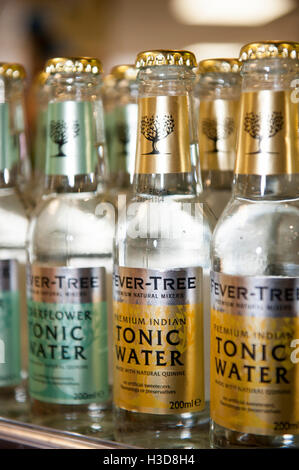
x=255 y=258
x=70 y=245
x=14 y=224
x=218 y=109
x=166 y=233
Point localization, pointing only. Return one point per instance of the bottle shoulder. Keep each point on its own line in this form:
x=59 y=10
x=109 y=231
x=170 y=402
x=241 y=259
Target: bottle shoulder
x=172 y=233
x=86 y=205
x=257 y=238
x=162 y=216
x=243 y=215
x=87 y=219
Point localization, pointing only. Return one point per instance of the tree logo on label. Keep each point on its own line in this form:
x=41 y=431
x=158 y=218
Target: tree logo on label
x=61 y=132
x=263 y=127
x=217 y=130
x=156 y=128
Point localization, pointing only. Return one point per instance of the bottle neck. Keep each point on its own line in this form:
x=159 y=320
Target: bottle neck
x=71 y=183
x=267 y=164
x=121 y=130
x=166 y=153
x=218 y=86
x=219 y=180
x=218 y=115
x=74 y=123
x=13 y=142
x=266 y=187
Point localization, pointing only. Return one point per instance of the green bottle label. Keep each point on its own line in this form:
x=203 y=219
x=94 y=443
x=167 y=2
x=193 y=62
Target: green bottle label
x=122 y=134
x=8 y=140
x=71 y=138
x=68 y=350
x=10 y=357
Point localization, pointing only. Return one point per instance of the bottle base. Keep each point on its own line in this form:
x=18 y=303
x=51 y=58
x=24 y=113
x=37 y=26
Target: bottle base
x=223 y=438
x=14 y=403
x=92 y=420
x=185 y=431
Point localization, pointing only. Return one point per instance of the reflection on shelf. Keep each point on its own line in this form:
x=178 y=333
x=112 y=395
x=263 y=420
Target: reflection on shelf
x=25 y=435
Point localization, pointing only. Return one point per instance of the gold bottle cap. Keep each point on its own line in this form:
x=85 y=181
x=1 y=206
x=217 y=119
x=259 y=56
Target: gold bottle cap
x=109 y=80
x=73 y=65
x=12 y=70
x=269 y=49
x=219 y=65
x=165 y=57
x=41 y=78
x=124 y=72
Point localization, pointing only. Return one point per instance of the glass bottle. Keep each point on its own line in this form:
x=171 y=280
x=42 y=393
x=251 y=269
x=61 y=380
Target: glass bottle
x=122 y=128
x=255 y=264
x=108 y=96
x=218 y=91
x=40 y=96
x=70 y=261
x=161 y=272
x=14 y=224
x=16 y=76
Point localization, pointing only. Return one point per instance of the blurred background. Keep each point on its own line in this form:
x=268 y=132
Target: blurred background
x=31 y=31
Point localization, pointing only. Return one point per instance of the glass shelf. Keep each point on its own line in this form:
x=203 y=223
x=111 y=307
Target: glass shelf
x=18 y=434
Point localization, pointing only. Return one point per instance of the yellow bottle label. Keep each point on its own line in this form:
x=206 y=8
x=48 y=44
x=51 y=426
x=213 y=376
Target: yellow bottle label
x=217 y=124
x=254 y=354
x=163 y=135
x=267 y=139
x=158 y=340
